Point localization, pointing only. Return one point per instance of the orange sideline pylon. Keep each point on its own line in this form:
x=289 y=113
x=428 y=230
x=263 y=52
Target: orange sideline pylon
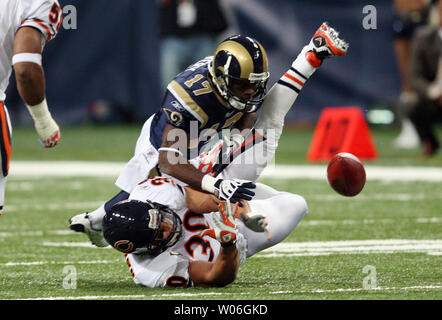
x=342 y=129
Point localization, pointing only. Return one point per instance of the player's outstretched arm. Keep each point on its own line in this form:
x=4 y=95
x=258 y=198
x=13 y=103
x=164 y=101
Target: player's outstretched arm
x=224 y=270
x=28 y=45
x=201 y=202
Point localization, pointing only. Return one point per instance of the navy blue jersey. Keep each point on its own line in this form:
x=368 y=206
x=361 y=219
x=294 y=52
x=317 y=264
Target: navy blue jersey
x=192 y=103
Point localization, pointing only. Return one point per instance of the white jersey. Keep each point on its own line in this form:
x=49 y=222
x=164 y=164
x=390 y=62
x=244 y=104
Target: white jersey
x=170 y=268
x=44 y=15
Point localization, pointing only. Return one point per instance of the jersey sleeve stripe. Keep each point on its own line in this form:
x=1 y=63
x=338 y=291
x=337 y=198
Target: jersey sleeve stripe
x=188 y=103
x=299 y=73
x=293 y=78
x=39 y=25
x=288 y=85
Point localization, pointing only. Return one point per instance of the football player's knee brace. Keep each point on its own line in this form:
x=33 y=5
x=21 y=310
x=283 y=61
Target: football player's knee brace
x=122 y=195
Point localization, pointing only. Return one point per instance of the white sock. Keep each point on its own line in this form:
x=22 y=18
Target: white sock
x=2 y=191
x=283 y=94
x=281 y=98
x=96 y=217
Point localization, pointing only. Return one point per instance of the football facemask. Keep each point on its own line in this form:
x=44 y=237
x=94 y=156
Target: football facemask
x=242 y=60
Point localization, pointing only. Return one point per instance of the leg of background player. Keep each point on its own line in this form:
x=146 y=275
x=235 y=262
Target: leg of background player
x=5 y=151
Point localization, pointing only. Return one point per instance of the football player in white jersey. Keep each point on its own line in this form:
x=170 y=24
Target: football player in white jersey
x=245 y=159
x=170 y=241
x=25 y=27
x=164 y=227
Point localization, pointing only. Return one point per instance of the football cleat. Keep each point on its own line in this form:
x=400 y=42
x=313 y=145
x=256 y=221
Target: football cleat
x=81 y=223
x=324 y=44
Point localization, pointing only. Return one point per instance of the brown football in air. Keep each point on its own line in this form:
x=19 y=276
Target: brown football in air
x=346 y=174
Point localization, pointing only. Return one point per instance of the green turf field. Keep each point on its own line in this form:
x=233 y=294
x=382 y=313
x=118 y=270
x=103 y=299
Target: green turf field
x=383 y=244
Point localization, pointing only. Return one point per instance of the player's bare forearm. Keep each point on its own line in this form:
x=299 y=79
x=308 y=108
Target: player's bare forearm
x=30 y=82
x=183 y=170
x=218 y=274
x=201 y=202
x=29 y=76
x=171 y=158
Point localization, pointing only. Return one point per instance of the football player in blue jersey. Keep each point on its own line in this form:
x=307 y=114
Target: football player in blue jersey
x=215 y=94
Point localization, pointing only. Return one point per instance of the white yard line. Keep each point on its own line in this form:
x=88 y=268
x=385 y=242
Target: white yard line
x=288 y=249
x=71 y=245
x=371 y=197
x=214 y=294
x=431 y=287
x=35 y=169
x=314 y=223
x=284 y=249
x=306 y=223
x=37 y=263
x=54 y=206
x=387 y=173
x=319 y=248
x=138 y=296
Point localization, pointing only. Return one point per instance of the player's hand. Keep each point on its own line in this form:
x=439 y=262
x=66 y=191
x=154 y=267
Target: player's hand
x=225 y=229
x=48 y=132
x=234 y=190
x=255 y=222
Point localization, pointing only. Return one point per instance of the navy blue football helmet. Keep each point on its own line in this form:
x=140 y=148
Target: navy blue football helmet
x=244 y=59
x=133 y=226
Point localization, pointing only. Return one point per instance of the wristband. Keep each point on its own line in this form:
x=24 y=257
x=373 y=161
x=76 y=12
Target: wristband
x=27 y=57
x=228 y=244
x=173 y=150
x=208 y=184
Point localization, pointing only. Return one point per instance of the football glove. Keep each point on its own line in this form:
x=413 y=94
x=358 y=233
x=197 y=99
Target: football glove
x=48 y=140
x=232 y=190
x=219 y=154
x=46 y=127
x=225 y=230
x=255 y=222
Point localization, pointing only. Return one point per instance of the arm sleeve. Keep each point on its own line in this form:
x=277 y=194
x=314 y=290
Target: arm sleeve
x=44 y=15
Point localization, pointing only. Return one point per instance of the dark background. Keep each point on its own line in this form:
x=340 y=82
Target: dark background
x=113 y=56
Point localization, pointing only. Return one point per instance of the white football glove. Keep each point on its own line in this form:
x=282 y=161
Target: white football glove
x=46 y=127
x=232 y=190
x=225 y=230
